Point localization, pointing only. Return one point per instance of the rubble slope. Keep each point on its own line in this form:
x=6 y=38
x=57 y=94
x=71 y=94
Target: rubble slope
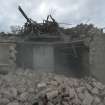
x=33 y=88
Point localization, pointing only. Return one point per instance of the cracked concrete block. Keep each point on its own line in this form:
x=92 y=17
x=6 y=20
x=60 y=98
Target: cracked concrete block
x=97 y=100
x=88 y=99
x=4 y=101
x=95 y=91
x=23 y=97
x=13 y=103
x=52 y=94
x=41 y=85
x=99 y=85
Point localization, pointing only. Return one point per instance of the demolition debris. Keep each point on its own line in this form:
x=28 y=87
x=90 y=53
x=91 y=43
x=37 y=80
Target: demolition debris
x=33 y=88
x=32 y=26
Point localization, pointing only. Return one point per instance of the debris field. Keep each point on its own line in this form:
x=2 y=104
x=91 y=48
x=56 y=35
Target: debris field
x=33 y=88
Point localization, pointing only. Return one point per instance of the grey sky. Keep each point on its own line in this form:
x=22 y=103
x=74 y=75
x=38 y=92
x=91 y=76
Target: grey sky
x=65 y=11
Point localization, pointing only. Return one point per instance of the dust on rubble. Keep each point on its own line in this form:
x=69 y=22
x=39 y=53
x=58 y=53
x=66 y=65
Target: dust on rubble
x=33 y=88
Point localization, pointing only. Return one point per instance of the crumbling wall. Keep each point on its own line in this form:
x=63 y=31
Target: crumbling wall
x=24 y=56
x=97 y=56
x=94 y=40
x=35 y=56
x=92 y=58
x=60 y=59
x=7 y=57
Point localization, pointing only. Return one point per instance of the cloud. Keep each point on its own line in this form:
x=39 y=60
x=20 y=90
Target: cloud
x=65 y=11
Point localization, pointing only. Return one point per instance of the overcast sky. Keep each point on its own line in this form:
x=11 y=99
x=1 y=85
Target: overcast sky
x=64 y=11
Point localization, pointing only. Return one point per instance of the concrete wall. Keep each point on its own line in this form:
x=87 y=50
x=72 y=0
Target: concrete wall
x=43 y=58
x=37 y=57
x=97 y=56
x=24 y=56
x=58 y=59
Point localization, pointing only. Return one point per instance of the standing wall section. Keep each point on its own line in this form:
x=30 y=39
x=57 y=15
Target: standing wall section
x=97 y=56
x=35 y=56
x=7 y=57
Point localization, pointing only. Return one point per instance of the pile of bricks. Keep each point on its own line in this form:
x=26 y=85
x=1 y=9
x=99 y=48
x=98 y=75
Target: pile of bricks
x=33 y=88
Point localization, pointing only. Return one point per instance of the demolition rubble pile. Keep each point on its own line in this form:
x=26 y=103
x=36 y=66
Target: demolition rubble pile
x=84 y=32
x=31 y=88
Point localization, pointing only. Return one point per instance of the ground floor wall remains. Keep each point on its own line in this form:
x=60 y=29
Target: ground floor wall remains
x=7 y=57
x=53 y=58
x=97 y=56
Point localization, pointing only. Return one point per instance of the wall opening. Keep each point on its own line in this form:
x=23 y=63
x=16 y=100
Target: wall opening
x=72 y=62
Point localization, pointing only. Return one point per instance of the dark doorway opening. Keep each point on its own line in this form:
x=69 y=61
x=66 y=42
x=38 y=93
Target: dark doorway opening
x=72 y=61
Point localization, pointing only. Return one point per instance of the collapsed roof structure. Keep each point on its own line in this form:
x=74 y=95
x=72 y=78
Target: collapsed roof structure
x=32 y=26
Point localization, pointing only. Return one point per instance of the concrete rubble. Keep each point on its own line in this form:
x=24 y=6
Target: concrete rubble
x=33 y=88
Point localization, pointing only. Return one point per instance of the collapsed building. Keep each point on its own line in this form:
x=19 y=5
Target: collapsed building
x=46 y=47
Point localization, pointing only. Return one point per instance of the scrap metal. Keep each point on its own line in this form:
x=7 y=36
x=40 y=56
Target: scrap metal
x=47 y=26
